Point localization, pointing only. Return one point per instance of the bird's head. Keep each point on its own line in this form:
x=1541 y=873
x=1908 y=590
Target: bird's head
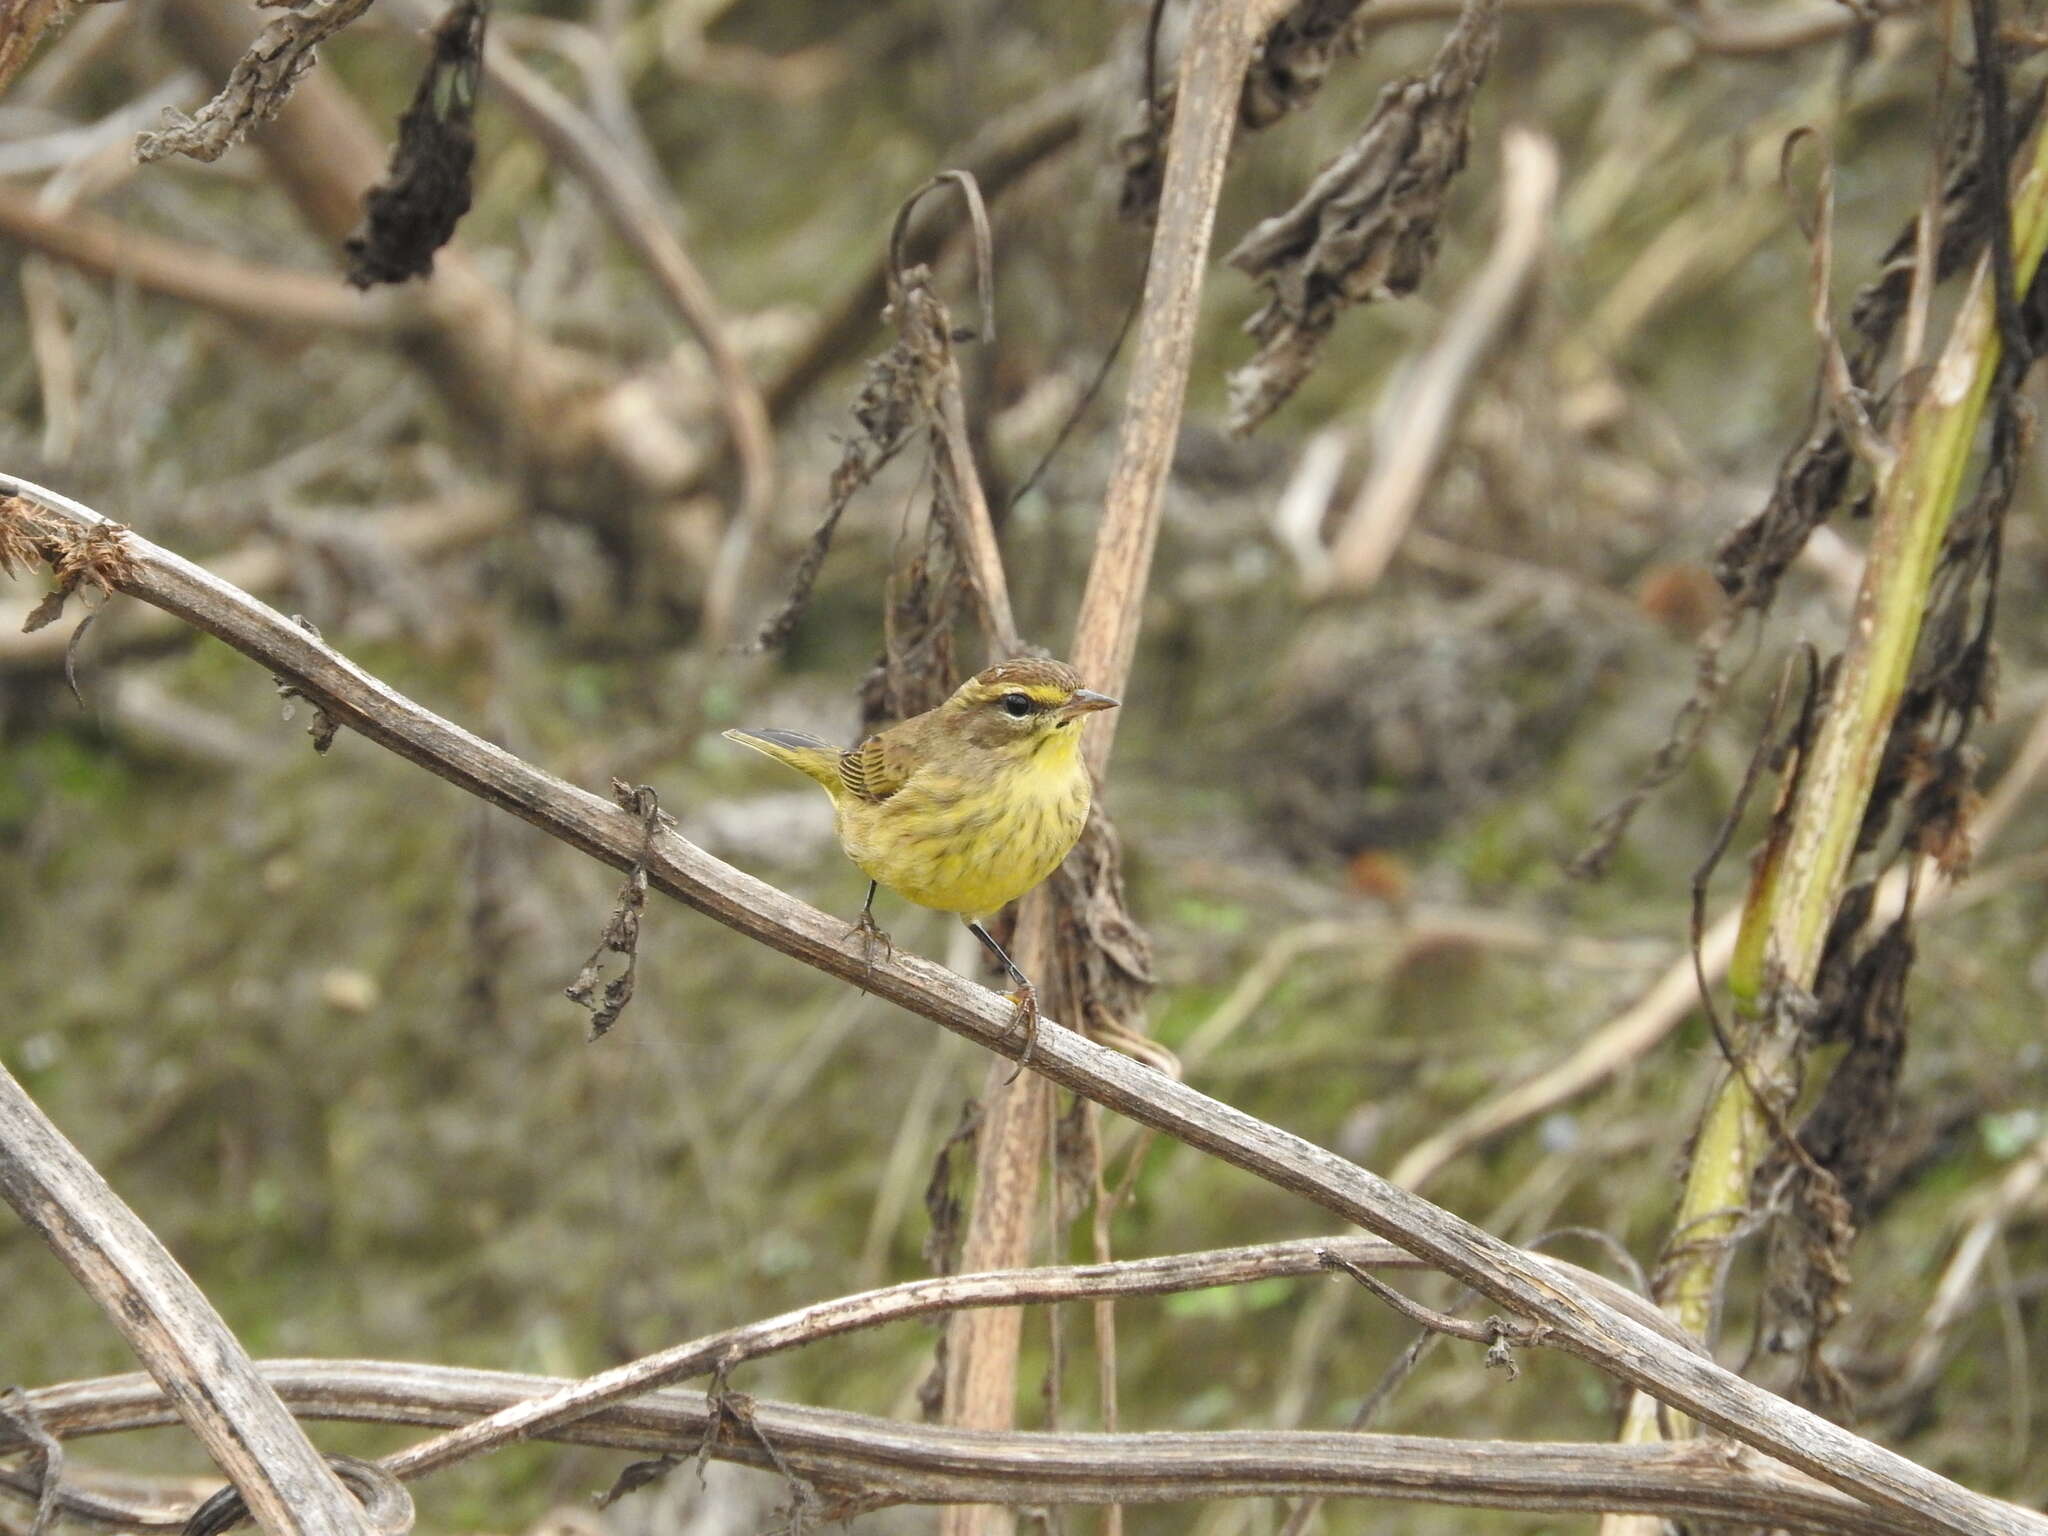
x=1028 y=701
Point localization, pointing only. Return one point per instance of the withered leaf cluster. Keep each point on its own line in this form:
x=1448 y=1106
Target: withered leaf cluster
x=1819 y=479
x=621 y=932
x=1369 y=225
x=413 y=211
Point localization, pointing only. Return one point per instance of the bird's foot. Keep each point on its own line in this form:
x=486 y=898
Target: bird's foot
x=871 y=939
x=1026 y=1019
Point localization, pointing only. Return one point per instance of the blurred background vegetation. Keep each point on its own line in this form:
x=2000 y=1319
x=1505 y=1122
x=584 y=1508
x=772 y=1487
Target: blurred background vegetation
x=306 y=1014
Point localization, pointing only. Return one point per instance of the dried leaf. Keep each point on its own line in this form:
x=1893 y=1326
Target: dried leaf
x=634 y=1476
x=621 y=933
x=1368 y=226
x=887 y=408
x=46 y=612
x=413 y=211
x=1292 y=61
x=257 y=87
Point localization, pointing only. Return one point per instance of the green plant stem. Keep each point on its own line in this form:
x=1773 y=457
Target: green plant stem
x=1795 y=895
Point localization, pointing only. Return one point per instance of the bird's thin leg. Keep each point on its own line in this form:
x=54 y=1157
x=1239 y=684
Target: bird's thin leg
x=1026 y=995
x=870 y=935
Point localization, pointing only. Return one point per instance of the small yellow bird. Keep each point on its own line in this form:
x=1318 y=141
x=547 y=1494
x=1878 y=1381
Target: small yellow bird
x=965 y=807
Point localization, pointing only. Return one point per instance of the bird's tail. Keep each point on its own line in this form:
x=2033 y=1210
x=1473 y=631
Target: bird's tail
x=806 y=754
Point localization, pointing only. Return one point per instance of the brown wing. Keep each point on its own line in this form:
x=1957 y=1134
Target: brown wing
x=876 y=769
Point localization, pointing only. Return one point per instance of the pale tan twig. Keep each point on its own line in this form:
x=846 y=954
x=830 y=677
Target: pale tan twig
x=1953 y=1293
x=1416 y=426
x=1632 y=1033
x=1845 y=398
x=269 y=296
x=1496 y=1333
x=1712 y=30
x=723 y=1352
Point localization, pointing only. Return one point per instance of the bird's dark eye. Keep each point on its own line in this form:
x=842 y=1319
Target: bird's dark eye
x=1016 y=705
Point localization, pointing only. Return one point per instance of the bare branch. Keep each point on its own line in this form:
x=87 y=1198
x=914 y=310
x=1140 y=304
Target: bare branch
x=723 y=1352
x=1496 y=1333
x=890 y=1462
x=1086 y=898
x=1212 y=73
x=258 y=295
x=1582 y=1324
x=169 y=1324
x=22 y=24
x=1745 y=33
x=45 y=1451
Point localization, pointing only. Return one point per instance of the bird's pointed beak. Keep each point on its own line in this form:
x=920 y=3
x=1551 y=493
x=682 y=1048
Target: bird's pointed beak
x=1086 y=701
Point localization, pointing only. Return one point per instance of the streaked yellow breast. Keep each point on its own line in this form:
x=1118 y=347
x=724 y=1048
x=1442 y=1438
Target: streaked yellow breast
x=961 y=843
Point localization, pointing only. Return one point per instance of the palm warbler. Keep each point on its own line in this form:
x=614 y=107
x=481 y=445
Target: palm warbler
x=965 y=807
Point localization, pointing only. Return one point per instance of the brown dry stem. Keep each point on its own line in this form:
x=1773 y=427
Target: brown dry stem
x=1086 y=900
x=1437 y=387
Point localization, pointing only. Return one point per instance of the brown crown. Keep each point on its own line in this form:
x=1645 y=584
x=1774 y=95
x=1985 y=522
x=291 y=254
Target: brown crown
x=1028 y=672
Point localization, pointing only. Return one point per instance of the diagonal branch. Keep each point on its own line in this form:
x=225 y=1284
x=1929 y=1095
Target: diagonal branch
x=169 y=1324
x=1581 y=1323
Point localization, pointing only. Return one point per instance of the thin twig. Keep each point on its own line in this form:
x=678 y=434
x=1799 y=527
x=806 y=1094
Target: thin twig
x=45 y=1450
x=1496 y=1333
x=959 y=497
x=256 y=88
